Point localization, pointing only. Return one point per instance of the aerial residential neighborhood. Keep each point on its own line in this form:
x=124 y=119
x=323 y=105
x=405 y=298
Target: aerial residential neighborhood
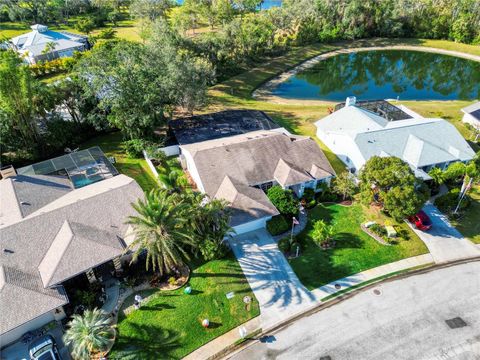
x=236 y=179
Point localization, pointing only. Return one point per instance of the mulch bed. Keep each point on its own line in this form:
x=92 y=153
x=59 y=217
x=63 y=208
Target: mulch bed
x=181 y=278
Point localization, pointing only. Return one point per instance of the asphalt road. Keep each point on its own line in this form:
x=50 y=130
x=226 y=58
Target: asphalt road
x=406 y=319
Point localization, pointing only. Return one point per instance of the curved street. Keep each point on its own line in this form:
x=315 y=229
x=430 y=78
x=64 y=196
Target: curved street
x=402 y=319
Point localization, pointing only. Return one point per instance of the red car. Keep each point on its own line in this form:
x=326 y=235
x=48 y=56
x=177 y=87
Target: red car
x=421 y=221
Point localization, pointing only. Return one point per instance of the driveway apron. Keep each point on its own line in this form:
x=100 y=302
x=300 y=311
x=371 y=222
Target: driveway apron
x=275 y=285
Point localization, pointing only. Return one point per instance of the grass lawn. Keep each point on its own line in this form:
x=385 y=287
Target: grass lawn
x=469 y=223
x=355 y=251
x=136 y=168
x=169 y=324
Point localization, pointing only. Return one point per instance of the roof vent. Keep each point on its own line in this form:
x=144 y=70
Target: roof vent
x=350 y=101
x=24 y=203
x=8 y=251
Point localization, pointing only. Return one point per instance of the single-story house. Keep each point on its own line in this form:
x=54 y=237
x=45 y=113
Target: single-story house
x=53 y=229
x=356 y=131
x=42 y=44
x=192 y=129
x=241 y=168
x=471 y=115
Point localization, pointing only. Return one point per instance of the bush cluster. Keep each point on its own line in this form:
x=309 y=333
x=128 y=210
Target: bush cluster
x=447 y=202
x=283 y=200
x=53 y=66
x=277 y=225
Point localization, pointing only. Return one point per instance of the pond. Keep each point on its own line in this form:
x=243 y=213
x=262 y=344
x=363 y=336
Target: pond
x=385 y=74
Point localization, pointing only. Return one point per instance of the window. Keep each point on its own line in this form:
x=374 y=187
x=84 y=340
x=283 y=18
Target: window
x=265 y=186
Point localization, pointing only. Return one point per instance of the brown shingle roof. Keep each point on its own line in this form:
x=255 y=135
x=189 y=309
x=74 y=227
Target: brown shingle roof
x=257 y=158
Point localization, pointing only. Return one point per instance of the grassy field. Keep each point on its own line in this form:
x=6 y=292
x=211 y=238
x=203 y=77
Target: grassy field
x=111 y=144
x=169 y=324
x=354 y=252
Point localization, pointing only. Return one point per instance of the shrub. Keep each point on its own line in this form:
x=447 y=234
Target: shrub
x=283 y=200
x=379 y=230
x=284 y=245
x=277 y=225
x=309 y=195
x=447 y=203
x=134 y=147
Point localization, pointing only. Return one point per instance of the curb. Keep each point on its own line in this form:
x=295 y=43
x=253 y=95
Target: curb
x=236 y=348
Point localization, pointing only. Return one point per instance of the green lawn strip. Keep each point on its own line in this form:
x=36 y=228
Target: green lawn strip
x=469 y=223
x=354 y=252
x=168 y=325
x=136 y=168
x=377 y=279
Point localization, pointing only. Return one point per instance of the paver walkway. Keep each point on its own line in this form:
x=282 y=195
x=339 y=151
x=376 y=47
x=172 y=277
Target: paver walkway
x=297 y=229
x=444 y=242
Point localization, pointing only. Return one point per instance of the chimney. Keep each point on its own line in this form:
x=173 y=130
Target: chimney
x=7 y=171
x=351 y=100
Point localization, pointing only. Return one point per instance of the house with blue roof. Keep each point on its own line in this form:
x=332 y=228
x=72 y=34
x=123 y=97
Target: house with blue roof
x=42 y=44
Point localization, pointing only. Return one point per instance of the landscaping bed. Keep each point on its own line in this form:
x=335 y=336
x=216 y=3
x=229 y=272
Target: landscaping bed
x=168 y=324
x=354 y=250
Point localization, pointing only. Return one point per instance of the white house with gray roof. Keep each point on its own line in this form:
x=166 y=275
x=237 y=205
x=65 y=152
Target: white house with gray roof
x=471 y=115
x=356 y=131
x=35 y=45
x=240 y=168
x=52 y=231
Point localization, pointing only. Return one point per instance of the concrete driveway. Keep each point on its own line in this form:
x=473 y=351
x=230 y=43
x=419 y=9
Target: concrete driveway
x=276 y=287
x=402 y=320
x=444 y=242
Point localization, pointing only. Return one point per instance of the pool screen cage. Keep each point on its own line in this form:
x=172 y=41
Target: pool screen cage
x=380 y=107
x=82 y=167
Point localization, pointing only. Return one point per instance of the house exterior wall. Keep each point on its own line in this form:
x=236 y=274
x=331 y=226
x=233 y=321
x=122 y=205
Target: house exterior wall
x=344 y=147
x=252 y=225
x=15 y=334
x=192 y=169
x=469 y=119
x=172 y=150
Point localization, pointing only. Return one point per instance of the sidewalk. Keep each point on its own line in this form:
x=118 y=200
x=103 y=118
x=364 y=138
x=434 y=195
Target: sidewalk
x=367 y=275
x=222 y=342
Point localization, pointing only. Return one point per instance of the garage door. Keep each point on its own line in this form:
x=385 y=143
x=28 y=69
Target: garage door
x=251 y=226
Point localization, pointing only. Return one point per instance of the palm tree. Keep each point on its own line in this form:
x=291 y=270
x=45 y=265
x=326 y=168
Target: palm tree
x=49 y=49
x=89 y=333
x=161 y=229
x=211 y=225
x=437 y=175
x=322 y=232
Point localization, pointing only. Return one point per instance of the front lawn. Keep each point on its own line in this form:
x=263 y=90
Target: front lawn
x=469 y=223
x=111 y=145
x=354 y=252
x=168 y=325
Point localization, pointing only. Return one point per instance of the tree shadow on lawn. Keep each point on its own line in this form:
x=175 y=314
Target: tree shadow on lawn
x=157 y=307
x=148 y=342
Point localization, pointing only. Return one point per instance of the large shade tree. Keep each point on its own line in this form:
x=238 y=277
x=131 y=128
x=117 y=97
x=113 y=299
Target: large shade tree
x=391 y=182
x=161 y=230
x=89 y=333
